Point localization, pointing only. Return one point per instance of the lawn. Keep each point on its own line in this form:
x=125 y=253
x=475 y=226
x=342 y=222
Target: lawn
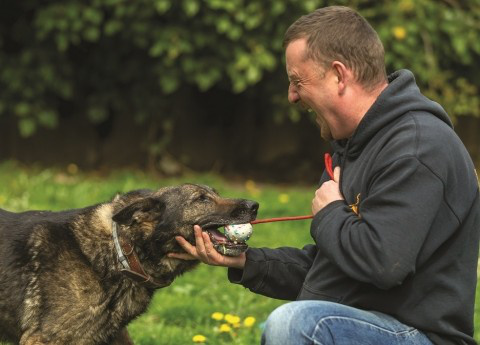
x=183 y=310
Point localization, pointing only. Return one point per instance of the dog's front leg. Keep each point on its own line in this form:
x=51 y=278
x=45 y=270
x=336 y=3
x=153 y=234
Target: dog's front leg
x=122 y=338
x=31 y=340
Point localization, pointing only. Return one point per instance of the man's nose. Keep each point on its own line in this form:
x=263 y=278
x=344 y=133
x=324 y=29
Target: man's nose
x=293 y=96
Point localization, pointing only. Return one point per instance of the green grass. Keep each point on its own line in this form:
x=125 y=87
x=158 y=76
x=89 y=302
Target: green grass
x=184 y=309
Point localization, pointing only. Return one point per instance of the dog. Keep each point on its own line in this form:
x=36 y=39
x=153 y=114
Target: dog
x=80 y=276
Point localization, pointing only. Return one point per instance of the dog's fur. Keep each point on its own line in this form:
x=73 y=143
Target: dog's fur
x=60 y=279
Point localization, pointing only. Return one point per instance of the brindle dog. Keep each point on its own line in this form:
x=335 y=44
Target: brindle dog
x=80 y=276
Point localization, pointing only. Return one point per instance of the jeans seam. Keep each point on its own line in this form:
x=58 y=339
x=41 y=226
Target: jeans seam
x=408 y=331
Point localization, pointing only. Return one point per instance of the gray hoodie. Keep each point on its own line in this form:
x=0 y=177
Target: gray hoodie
x=405 y=240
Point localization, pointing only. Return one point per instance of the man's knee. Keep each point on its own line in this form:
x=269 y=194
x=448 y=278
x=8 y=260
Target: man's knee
x=295 y=322
x=320 y=322
x=279 y=324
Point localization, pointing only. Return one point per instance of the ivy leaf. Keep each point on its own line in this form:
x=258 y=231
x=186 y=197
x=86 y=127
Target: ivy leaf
x=191 y=7
x=97 y=114
x=162 y=6
x=48 y=118
x=26 y=127
x=169 y=83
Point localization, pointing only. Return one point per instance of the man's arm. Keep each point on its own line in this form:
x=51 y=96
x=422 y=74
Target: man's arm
x=277 y=273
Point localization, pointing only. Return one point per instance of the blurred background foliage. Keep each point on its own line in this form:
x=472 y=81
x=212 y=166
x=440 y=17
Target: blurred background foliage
x=103 y=59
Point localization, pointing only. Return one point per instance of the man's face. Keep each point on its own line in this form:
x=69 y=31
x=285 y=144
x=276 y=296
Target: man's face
x=310 y=85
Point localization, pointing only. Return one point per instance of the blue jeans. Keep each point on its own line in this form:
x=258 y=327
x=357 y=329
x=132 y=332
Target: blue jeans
x=327 y=323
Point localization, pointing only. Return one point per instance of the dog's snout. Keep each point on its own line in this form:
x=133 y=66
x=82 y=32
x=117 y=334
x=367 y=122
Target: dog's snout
x=252 y=206
x=245 y=210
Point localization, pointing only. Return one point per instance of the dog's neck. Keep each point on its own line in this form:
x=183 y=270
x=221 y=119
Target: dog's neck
x=132 y=267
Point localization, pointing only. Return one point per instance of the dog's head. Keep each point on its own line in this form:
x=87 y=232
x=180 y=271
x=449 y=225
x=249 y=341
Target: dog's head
x=159 y=216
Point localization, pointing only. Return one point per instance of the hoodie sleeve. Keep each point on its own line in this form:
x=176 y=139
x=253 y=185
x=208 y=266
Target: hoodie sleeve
x=381 y=245
x=277 y=273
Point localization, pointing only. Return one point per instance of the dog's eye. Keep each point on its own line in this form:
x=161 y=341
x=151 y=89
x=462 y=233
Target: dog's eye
x=202 y=198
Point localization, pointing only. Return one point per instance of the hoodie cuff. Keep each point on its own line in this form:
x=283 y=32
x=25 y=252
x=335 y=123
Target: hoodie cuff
x=254 y=271
x=320 y=215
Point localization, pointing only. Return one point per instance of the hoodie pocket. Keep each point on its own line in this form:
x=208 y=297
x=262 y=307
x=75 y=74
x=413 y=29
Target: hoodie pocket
x=308 y=293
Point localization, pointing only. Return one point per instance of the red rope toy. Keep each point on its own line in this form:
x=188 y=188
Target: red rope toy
x=328 y=168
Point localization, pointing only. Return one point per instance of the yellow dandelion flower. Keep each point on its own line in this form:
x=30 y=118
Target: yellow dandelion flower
x=252 y=188
x=217 y=316
x=249 y=321
x=399 y=32
x=72 y=168
x=283 y=198
x=236 y=325
x=199 y=338
x=232 y=319
x=225 y=328
x=250 y=184
x=406 y=5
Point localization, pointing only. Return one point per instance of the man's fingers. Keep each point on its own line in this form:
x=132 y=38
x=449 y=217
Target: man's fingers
x=210 y=249
x=212 y=256
x=185 y=245
x=191 y=251
x=203 y=249
x=336 y=174
x=199 y=244
x=182 y=256
x=207 y=242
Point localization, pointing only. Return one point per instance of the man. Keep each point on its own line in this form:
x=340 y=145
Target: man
x=396 y=231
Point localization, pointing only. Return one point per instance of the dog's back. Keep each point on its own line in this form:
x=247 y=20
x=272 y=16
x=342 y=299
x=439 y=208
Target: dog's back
x=12 y=243
x=17 y=270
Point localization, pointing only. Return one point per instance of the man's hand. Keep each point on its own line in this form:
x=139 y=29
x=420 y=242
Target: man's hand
x=328 y=192
x=204 y=251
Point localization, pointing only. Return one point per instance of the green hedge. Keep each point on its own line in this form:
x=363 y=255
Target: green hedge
x=102 y=58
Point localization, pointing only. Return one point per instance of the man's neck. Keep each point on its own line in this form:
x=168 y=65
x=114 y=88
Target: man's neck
x=361 y=102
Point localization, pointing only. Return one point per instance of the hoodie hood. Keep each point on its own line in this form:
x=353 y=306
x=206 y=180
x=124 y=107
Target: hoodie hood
x=401 y=96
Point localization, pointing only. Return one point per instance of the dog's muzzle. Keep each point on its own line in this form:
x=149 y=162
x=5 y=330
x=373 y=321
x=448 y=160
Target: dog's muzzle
x=225 y=246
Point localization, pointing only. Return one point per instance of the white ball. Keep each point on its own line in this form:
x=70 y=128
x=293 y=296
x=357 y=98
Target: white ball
x=238 y=232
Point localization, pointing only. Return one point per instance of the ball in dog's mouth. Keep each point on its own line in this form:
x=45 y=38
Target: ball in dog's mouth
x=238 y=232
x=232 y=242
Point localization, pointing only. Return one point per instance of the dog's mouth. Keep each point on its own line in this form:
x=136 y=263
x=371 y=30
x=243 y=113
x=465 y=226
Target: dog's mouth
x=222 y=244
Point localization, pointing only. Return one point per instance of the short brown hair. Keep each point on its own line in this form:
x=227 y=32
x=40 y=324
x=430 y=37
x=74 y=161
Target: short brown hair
x=339 y=33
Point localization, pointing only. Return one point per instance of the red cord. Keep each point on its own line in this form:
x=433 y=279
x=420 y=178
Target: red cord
x=329 y=168
x=328 y=165
x=280 y=219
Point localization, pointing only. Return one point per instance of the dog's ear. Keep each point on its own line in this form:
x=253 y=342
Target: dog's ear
x=142 y=210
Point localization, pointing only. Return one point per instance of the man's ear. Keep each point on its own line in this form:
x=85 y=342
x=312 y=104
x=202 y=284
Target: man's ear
x=141 y=210
x=342 y=75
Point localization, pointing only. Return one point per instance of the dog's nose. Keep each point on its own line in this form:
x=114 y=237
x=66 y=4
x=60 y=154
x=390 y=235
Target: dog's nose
x=252 y=206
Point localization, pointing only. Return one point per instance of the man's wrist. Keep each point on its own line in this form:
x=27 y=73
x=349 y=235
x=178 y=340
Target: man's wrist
x=238 y=261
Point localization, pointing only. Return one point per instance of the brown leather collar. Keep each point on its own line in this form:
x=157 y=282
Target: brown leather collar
x=133 y=268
